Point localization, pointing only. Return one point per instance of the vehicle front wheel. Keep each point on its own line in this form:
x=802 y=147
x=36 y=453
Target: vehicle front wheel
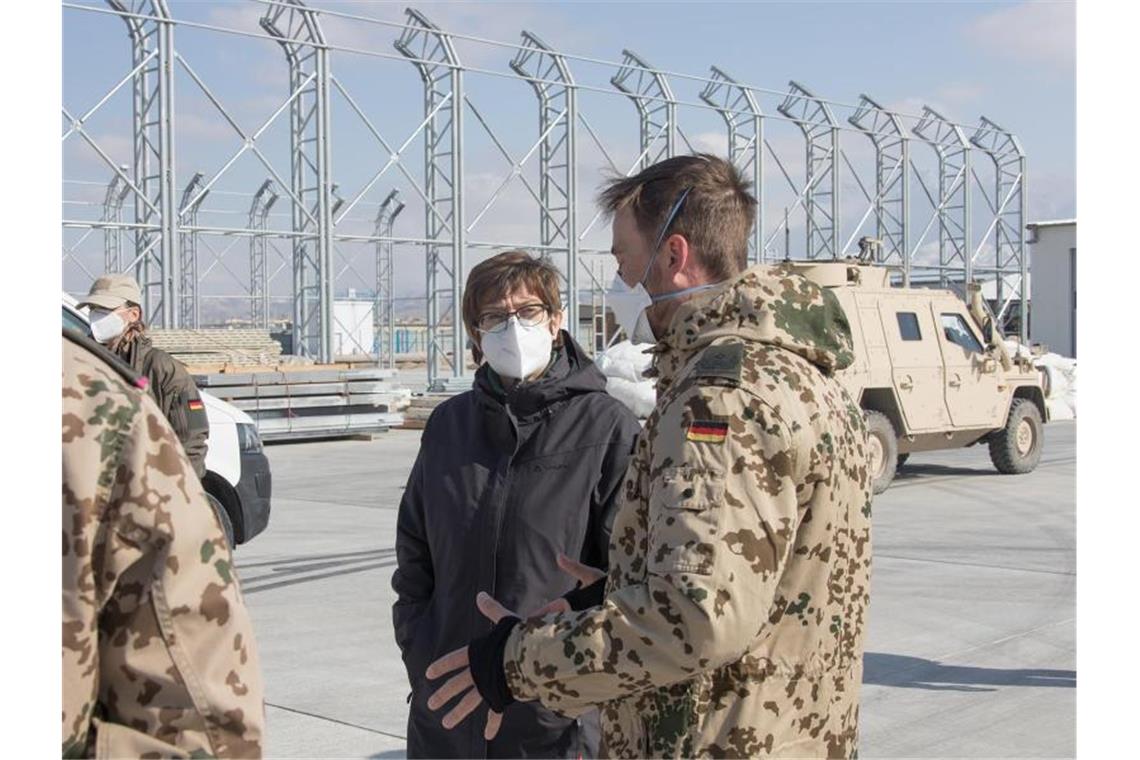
x=1016 y=448
x=223 y=518
x=884 y=454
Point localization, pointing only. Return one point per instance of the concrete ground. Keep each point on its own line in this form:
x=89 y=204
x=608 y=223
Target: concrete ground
x=970 y=653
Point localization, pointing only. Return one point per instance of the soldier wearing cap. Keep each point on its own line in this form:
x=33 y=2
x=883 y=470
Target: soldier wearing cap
x=116 y=322
x=731 y=621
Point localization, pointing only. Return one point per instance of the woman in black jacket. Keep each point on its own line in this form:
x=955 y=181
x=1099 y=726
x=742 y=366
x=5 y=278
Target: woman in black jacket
x=527 y=464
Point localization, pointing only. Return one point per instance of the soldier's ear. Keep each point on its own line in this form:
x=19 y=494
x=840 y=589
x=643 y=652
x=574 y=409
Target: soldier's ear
x=679 y=254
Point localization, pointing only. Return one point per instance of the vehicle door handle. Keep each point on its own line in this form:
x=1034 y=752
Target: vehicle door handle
x=906 y=384
x=955 y=382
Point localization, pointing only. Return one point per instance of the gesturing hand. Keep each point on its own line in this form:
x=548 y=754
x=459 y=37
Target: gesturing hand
x=463 y=682
x=584 y=574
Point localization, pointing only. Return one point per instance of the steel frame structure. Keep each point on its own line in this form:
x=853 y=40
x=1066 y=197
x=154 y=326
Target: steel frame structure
x=952 y=206
x=891 y=204
x=298 y=30
x=433 y=54
x=259 y=207
x=820 y=195
x=189 y=304
x=742 y=116
x=152 y=89
x=113 y=213
x=166 y=230
x=384 y=310
x=1008 y=206
x=656 y=107
x=548 y=74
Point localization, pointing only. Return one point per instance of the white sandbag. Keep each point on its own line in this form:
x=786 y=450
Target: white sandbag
x=638 y=397
x=625 y=360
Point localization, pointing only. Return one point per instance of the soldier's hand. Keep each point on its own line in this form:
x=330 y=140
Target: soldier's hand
x=463 y=682
x=584 y=574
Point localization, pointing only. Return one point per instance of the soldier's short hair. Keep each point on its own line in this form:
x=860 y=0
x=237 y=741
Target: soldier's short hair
x=503 y=274
x=716 y=217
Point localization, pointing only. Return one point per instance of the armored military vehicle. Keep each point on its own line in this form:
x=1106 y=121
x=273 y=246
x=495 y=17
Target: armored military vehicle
x=930 y=372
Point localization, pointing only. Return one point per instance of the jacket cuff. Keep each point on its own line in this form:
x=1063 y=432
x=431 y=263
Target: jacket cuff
x=584 y=597
x=485 y=658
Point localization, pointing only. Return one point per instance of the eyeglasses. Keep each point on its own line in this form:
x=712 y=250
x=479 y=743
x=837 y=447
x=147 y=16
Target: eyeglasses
x=531 y=315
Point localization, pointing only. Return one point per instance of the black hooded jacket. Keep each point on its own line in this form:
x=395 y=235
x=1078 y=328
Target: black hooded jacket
x=504 y=480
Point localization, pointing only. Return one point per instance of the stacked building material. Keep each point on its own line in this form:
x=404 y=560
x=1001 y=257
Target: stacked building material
x=312 y=402
x=219 y=347
x=420 y=408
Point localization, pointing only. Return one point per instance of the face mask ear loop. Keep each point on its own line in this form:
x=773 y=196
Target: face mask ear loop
x=669 y=218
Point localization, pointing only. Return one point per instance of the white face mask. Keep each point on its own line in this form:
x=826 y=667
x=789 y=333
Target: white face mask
x=106 y=325
x=630 y=304
x=518 y=351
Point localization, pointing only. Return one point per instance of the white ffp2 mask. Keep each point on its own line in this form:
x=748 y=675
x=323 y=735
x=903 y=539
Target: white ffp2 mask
x=106 y=325
x=518 y=351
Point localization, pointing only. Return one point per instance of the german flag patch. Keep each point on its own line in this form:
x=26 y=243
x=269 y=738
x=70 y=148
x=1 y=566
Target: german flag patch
x=196 y=405
x=707 y=431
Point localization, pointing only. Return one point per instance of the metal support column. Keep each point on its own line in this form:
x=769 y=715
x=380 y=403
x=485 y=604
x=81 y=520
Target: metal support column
x=297 y=30
x=821 y=183
x=891 y=203
x=1008 y=225
x=152 y=55
x=263 y=200
x=384 y=308
x=656 y=107
x=434 y=56
x=113 y=212
x=550 y=77
x=741 y=113
x=953 y=209
x=190 y=311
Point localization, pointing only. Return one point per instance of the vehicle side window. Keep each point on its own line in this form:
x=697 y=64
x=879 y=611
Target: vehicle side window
x=908 y=326
x=957 y=331
x=73 y=322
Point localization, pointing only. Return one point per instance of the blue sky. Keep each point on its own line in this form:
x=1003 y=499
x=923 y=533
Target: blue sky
x=1013 y=62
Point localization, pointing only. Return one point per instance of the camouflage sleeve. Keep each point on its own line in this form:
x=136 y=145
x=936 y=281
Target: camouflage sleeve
x=716 y=489
x=172 y=661
x=607 y=494
x=184 y=408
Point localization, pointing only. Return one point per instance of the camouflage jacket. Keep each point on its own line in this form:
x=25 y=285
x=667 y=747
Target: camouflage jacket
x=158 y=651
x=736 y=601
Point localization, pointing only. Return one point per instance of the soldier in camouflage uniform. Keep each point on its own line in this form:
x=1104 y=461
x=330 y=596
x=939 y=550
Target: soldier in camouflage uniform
x=159 y=658
x=732 y=619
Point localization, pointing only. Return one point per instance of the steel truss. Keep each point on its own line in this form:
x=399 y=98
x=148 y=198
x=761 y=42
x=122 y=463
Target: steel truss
x=1008 y=226
x=259 y=207
x=166 y=233
x=384 y=308
x=820 y=196
x=298 y=31
x=656 y=107
x=113 y=212
x=952 y=206
x=190 y=311
x=738 y=107
x=434 y=56
x=152 y=87
x=550 y=77
x=891 y=204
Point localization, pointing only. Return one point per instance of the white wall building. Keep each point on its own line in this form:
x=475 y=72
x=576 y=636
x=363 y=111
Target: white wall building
x=353 y=330
x=1053 y=263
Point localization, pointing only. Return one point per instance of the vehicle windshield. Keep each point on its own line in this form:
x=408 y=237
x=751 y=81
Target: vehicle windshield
x=957 y=331
x=75 y=322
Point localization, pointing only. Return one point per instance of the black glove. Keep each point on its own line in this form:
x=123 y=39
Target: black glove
x=485 y=658
x=585 y=597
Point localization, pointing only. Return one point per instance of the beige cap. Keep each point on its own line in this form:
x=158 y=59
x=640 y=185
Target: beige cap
x=112 y=291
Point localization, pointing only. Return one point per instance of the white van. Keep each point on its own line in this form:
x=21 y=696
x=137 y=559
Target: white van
x=237 y=479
